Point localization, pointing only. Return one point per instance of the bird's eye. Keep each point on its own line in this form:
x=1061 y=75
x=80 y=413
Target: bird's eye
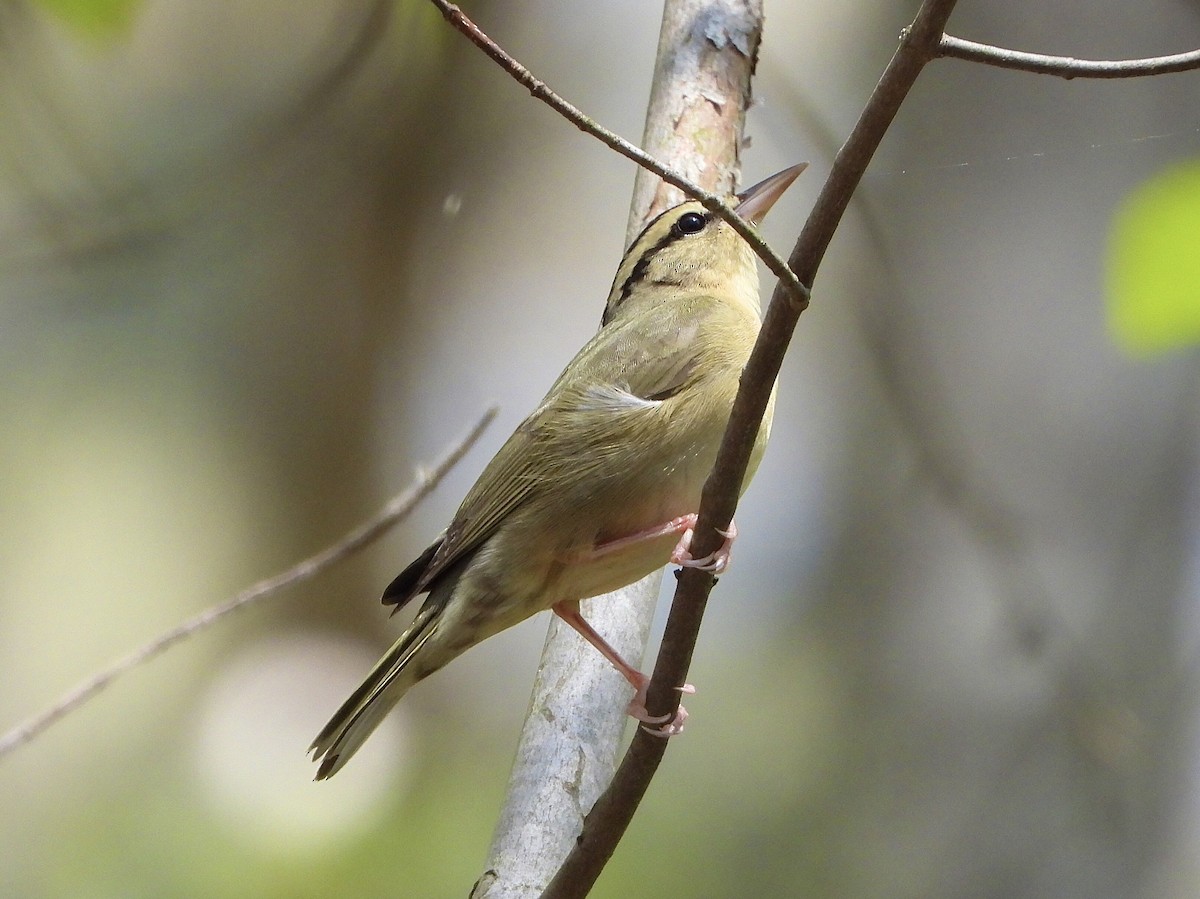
x=691 y=223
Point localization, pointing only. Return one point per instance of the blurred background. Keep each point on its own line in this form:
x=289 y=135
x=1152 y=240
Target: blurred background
x=260 y=260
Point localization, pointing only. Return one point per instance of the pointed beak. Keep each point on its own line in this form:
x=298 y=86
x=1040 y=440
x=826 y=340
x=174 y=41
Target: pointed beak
x=755 y=202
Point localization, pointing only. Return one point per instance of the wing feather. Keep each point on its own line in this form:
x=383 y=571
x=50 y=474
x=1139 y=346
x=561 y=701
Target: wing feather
x=629 y=368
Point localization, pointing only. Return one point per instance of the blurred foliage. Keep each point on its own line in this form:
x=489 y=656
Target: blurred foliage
x=95 y=18
x=429 y=841
x=430 y=838
x=1154 y=264
x=261 y=258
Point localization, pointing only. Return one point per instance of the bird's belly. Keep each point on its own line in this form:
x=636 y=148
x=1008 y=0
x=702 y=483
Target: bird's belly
x=610 y=570
x=613 y=556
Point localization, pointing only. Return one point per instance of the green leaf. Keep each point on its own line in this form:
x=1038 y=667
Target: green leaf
x=92 y=17
x=1153 y=288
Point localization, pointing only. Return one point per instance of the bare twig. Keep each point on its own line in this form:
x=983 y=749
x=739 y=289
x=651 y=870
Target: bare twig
x=363 y=535
x=1066 y=66
x=610 y=816
x=715 y=204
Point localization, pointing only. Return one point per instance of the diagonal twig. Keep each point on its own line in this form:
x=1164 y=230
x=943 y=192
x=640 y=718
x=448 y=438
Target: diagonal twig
x=365 y=534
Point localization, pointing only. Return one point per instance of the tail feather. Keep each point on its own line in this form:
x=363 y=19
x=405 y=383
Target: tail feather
x=407 y=583
x=384 y=686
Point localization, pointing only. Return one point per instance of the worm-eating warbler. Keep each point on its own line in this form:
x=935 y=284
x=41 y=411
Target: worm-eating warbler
x=600 y=485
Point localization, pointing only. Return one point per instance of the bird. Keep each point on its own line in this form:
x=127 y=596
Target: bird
x=600 y=485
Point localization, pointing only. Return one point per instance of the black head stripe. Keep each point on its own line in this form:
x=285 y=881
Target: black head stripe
x=638 y=272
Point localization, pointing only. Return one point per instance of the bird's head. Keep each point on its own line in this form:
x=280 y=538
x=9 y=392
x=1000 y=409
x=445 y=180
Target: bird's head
x=688 y=249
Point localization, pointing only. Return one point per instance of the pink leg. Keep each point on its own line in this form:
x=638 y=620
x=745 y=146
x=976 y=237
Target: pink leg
x=671 y=725
x=681 y=525
x=715 y=562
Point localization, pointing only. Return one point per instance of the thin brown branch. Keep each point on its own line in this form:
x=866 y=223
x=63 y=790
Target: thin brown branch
x=541 y=91
x=1066 y=66
x=610 y=816
x=362 y=536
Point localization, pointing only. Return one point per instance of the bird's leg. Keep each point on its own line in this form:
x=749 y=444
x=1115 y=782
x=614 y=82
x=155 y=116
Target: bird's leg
x=670 y=724
x=716 y=561
x=681 y=525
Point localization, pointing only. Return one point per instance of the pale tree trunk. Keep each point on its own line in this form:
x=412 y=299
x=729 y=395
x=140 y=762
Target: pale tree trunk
x=568 y=749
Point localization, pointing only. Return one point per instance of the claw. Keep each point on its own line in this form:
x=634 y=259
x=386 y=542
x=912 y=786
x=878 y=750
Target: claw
x=715 y=562
x=672 y=725
x=672 y=729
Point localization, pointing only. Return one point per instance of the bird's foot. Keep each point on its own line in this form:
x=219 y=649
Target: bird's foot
x=670 y=725
x=667 y=725
x=715 y=562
